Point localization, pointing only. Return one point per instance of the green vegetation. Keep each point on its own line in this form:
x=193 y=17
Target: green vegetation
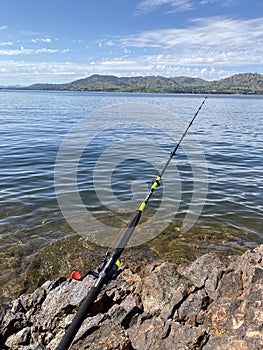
x=248 y=83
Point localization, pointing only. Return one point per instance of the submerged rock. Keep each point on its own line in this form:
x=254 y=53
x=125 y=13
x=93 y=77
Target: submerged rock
x=214 y=303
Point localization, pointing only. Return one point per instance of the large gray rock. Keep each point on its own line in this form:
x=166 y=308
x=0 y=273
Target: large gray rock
x=215 y=303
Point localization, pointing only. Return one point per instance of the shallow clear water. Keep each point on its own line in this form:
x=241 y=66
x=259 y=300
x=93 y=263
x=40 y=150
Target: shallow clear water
x=228 y=133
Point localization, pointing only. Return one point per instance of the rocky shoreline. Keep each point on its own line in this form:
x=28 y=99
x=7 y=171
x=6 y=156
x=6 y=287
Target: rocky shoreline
x=213 y=303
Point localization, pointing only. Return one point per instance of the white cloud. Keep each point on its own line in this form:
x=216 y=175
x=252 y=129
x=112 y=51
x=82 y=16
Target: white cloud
x=224 y=3
x=45 y=50
x=15 y=52
x=109 y=43
x=26 y=73
x=213 y=41
x=146 y=6
x=158 y=65
x=206 y=32
x=6 y=43
x=24 y=51
x=43 y=40
x=3 y=27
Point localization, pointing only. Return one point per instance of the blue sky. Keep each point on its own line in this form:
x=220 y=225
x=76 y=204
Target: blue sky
x=63 y=40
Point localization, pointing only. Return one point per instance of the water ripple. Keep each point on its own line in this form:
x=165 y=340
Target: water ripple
x=229 y=129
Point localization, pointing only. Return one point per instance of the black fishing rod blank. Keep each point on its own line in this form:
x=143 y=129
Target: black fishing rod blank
x=109 y=266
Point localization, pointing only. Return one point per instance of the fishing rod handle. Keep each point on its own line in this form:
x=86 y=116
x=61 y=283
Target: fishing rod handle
x=78 y=319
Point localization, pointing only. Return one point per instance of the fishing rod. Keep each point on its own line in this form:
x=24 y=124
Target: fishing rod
x=109 y=267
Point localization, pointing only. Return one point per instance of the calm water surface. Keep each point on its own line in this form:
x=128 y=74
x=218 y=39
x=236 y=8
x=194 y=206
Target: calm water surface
x=229 y=130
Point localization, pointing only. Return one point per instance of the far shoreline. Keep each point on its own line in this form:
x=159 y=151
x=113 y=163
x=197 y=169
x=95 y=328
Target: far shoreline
x=238 y=84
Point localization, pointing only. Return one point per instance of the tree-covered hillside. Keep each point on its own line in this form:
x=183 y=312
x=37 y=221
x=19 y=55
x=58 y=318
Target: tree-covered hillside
x=247 y=83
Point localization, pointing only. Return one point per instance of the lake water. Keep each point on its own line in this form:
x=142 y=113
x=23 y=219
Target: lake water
x=215 y=179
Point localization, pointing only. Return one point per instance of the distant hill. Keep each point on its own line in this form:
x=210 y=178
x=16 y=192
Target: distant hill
x=248 y=83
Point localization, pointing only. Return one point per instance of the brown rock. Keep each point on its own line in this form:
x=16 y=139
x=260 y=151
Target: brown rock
x=215 y=303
